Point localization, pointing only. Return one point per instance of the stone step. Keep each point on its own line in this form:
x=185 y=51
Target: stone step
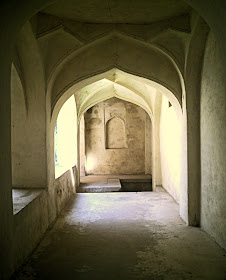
x=113 y=185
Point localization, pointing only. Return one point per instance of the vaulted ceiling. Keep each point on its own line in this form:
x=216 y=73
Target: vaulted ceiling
x=78 y=39
x=116 y=84
x=117 y=11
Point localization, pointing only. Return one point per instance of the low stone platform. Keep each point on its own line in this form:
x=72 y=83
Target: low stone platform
x=112 y=185
x=115 y=183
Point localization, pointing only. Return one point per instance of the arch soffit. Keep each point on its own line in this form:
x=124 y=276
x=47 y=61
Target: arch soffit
x=111 y=32
x=92 y=79
x=69 y=71
x=91 y=104
x=134 y=98
x=203 y=8
x=117 y=90
x=211 y=16
x=19 y=78
x=26 y=47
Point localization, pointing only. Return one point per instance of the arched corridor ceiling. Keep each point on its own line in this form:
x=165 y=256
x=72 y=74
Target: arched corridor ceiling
x=147 y=38
x=74 y=51
x=60 y=40
x=74 y=48
x=117 y=11
x=117 y=84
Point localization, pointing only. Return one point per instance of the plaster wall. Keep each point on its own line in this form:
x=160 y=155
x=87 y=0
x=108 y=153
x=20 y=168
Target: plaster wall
x=213 y=143
x=171 y=149
x=184 y=166
x=193 y=69
x=20 y=11
x=130 y=55
x=129 y=159
x=148 y=145
x=82 y=146
x=29 y=126
x=28 y=115
x=29 y=225
x=31 y=222
x=18 y=120
x=157 y=174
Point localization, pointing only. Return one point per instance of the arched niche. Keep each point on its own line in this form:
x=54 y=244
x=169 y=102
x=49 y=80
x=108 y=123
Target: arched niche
x=115 y=135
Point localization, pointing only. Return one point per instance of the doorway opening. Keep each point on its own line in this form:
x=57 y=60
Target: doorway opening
x=65 y=138
x=115 y=147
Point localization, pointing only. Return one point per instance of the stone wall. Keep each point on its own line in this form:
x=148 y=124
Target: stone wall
x=115 y=133
x=28 y=104
x=213 y=144
x=18 y=124
x=171 y=149
x=30 y=224
x=82 y=146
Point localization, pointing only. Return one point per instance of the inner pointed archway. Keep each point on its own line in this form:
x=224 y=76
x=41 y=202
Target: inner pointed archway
x=154 y=100
x=117 y=139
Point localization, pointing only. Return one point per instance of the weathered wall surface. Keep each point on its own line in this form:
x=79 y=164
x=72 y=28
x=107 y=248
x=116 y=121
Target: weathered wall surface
x=170 y=149
x=18 y=121
x=29 y=226
x=130 y=55
x=82 y=146
x=213 y=14
x=28 y=115
x=213 y=144
x=193 y=71
x=148 y=145
x=126 y=141
x=28 y=146
x=31 y=222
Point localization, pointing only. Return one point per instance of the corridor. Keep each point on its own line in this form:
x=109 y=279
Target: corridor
x=124 y=236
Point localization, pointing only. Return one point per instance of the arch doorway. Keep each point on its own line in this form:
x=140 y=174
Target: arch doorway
x=112 y=142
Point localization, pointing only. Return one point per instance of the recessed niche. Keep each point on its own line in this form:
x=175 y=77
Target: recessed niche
x=115 y=134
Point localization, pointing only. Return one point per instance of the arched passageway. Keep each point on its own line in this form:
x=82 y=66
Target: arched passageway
x=113 y=145
x=176 y=50
x=149 y=96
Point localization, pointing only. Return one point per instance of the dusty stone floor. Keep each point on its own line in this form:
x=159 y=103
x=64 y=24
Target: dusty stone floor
x=124 y=236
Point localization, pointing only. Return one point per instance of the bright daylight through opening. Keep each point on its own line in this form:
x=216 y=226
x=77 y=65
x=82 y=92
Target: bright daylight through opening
x=65 y=138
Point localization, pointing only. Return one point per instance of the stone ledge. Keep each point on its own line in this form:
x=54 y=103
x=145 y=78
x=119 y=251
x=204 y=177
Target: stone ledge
x=22 y=197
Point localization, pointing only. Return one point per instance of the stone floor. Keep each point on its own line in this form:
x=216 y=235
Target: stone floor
x=124 y=236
